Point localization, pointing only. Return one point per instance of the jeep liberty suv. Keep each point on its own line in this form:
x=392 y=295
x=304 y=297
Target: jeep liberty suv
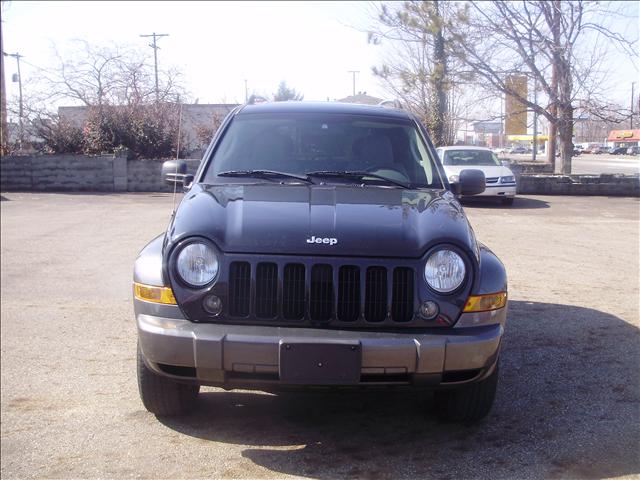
x=319 y=245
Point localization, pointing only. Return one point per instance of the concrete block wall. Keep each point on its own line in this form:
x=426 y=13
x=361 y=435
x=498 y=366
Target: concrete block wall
x=57 y=173
x=109 y=173
x=604 y=185
x=100 y=173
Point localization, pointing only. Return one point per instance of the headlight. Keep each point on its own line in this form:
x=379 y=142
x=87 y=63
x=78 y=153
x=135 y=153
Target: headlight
x=509 y=179
x=444 y=271
x=197 y=264
x=454 y=178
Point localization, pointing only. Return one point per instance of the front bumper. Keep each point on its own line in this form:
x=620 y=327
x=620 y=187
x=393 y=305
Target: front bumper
x=497 y=190
x=238 y=356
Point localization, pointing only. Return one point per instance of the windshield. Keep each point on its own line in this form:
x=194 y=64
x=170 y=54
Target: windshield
x=303 y=143
x=470 y=158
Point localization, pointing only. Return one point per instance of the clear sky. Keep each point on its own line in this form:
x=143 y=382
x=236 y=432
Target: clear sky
x=217 y=45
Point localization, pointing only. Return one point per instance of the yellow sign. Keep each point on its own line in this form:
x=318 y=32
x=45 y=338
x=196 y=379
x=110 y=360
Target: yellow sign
x=624 y=134
x=515 y=111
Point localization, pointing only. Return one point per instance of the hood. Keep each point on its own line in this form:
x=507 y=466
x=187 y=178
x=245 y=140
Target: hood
x=334 y=220
x=489 y=170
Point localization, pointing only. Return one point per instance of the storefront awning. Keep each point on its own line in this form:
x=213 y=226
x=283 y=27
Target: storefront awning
x=624 y=136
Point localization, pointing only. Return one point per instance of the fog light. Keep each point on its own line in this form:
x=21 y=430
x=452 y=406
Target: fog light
x=429 y=310
x=212 y=304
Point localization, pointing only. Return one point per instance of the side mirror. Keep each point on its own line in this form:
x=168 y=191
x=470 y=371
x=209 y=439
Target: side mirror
x=471 y=182
x=506 y=163
x=174 y=171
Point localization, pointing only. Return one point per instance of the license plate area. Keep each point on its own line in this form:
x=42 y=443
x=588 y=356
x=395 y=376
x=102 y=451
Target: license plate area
x=307 y=363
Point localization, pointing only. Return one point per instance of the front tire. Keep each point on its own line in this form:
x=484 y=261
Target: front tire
x=163 y=396
x=470 y=403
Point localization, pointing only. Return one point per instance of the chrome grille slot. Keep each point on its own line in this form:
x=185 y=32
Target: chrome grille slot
x=348 y=293
x=321 y=293
x=375 y=305
x=266 y=290
x=402 y=299
x=293 y=291
x=239 y=289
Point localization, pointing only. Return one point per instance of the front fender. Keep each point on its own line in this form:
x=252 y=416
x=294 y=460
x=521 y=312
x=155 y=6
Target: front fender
x=492 y=276
x=147 y=268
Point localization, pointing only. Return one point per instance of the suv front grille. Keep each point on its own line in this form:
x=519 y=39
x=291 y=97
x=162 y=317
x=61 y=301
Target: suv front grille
x=320 y=293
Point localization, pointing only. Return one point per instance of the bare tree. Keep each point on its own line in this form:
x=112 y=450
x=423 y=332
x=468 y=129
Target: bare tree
x=117 y=86
x=557 y=44
x=108 y=75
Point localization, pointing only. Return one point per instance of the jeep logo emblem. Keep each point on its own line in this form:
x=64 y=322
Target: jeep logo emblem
x=326 y=240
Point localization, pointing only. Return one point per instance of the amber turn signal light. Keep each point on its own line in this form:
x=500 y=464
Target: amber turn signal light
x=484 y=303
x=150 y=293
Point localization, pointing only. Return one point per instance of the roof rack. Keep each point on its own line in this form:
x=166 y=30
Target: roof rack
x=391 y=104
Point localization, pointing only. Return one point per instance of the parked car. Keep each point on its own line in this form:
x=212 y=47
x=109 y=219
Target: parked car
x=635 y=150
x=617 y=150
x=320 y=245
x=519 y=150
x=500 y=180
x=599 y=150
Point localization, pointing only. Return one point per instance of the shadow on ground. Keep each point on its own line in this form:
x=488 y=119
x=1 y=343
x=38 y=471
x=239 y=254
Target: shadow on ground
x=519 y=203
x=567 y=406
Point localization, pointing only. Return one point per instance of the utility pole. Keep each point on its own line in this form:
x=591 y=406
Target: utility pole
x=3 y=102
x=17 y=56
x=353 y=72
x=535 y=119
x=246 y=91
x=155 y=47
x=631 y=116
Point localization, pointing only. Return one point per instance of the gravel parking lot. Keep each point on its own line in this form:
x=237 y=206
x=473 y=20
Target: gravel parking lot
x=568 y=403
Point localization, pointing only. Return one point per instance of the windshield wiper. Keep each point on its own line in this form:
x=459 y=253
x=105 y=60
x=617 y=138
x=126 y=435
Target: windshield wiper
x=356 y=174
x=264 y=174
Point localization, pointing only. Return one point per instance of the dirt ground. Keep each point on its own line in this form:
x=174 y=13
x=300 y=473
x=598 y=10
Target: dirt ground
x=568 y=402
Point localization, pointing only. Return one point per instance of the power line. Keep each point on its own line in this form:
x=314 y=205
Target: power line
x=155 y=47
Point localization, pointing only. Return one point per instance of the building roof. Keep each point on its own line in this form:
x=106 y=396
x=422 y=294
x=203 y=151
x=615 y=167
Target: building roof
x=323 y=107
x=362 y=98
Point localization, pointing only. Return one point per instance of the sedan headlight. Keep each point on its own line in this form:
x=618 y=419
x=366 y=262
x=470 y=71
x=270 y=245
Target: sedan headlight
x=197 y=264
x=508 y=179
x=444 y=271
x=454 y=178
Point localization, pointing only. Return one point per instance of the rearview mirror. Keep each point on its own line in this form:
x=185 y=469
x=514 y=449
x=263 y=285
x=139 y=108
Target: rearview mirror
x=470 y=182
x=174 y=172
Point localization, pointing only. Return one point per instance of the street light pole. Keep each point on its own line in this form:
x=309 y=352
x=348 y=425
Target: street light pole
x=17 y=56
x=353 y=72
x=155 y=47
x=631 y=116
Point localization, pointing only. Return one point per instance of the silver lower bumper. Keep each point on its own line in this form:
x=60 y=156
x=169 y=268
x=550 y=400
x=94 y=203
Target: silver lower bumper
x=243 y=356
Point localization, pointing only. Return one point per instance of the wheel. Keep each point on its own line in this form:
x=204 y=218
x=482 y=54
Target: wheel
x=508 y=201
x=470 y=403
x=162 y=396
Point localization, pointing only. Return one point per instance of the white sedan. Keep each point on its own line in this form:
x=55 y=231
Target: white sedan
x=500 y=181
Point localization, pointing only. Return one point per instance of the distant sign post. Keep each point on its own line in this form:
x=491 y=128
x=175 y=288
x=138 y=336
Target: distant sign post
x=515 y=111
